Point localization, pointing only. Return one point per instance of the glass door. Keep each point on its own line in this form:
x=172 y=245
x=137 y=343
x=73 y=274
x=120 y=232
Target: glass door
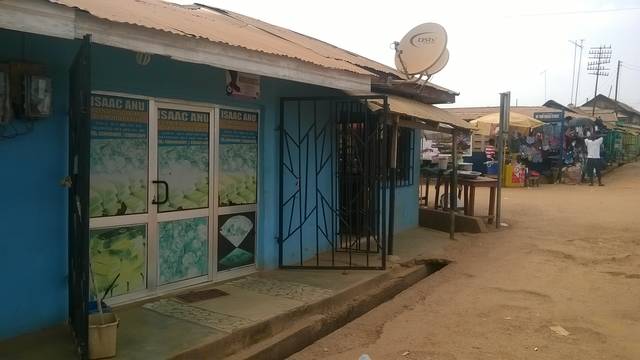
x=118 y=195
x=169 y=207
x=182 y=199
x=150 y=196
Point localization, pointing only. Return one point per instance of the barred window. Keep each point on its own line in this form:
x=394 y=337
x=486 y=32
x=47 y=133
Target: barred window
x=406 y=157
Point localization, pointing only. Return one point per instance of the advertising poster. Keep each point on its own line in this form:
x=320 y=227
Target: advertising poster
x=183 y=158
x=184 y=249
x=119 y=156
x=242 y=85
x=236 y=240
x=119 y=256
x=238 y=156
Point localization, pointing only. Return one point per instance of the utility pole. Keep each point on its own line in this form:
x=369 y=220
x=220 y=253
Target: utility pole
x=503 y=132
x=573 y=75
x=599 y=56
x=617 y=77
x=545 y=83
x=575 y=102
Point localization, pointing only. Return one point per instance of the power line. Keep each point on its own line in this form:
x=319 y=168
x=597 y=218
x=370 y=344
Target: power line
x=577 y=12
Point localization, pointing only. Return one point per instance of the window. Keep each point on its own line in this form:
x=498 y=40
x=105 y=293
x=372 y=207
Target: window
x=406 y=157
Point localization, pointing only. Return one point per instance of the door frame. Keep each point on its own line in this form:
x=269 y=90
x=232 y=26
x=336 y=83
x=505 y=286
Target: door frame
x=157 y=217
x=77 y=180
x=152 y=218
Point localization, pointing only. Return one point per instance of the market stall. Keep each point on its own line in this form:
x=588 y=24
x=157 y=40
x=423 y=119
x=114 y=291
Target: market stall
x=527 y=147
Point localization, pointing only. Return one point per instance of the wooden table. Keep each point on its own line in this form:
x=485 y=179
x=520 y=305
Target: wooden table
x=469 y=188
x=426 y=177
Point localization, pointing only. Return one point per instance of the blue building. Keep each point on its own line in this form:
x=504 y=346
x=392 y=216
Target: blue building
x=186 y=146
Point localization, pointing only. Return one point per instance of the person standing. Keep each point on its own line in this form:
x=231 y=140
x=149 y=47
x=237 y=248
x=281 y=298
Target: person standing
x=490 y=150
x=594 y=163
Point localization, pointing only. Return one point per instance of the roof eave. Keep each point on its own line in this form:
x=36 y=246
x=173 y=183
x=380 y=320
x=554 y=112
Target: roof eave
x=427 y=94
x=45 y=18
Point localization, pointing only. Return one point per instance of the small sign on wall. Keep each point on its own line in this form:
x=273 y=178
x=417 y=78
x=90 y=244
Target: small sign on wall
x=242 y=85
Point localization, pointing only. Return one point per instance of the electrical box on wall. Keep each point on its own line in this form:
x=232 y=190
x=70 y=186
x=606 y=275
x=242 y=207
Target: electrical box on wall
x=37 y=96
x=29 y=91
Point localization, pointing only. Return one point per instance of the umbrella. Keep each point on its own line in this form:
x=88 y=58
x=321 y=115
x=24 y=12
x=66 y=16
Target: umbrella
x=487 y=125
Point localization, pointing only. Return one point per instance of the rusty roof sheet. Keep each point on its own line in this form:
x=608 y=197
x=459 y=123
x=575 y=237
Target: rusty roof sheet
x=607 y=116
x=318 y=46
x=472 y=113
x=410 y=107
x=226 y=27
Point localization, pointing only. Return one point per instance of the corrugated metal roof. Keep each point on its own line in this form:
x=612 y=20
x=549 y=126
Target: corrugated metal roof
x=625 y=129
x=226 y=27
x=318 y=46
x=207 y=23
x=607 y=116
x=472 y=113
x=409 y=107
x=602 y=101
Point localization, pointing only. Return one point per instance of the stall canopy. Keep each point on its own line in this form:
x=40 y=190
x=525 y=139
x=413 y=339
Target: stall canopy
x=415 y=114
x=486 y=125
x=627 y=130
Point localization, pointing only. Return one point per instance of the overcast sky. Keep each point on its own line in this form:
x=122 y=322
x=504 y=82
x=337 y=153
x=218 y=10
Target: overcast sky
x=495 y=45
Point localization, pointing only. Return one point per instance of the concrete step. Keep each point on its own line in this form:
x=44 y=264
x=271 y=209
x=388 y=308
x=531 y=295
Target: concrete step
x=290 y=332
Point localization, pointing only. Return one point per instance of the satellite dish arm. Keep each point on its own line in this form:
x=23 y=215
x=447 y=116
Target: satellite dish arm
x=424 y=83
x=404 y=67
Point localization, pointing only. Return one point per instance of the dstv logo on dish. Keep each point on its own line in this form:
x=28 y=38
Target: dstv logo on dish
x=423 y=39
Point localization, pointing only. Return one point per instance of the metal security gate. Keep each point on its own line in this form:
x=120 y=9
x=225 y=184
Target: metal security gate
x=333 y=165
x=78 y=180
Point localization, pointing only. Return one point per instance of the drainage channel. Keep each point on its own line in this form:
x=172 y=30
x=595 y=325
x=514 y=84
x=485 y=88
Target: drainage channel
x=283 y=337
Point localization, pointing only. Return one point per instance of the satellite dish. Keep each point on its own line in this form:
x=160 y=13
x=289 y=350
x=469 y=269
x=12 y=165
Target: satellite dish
x=439 y=64
x=421 y=48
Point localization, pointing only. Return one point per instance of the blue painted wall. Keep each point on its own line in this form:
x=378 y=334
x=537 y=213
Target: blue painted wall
x=406 y=207
x=33 y=206
x=33 y=215
x=116 y=70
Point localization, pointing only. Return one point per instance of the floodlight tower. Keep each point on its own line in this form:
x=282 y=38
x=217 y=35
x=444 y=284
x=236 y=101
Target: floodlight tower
x=599 y=57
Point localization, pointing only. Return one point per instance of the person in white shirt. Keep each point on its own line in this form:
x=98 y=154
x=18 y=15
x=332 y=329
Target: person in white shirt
x=593 y=158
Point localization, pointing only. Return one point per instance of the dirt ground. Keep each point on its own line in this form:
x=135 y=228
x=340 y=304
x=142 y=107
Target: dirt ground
x=570 y=258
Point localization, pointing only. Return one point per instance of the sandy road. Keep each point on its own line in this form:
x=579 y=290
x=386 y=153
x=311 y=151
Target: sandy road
x=570 y=258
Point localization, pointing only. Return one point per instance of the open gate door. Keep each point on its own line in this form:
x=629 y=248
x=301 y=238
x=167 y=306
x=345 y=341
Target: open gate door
x=79 y=140
x=333 y=170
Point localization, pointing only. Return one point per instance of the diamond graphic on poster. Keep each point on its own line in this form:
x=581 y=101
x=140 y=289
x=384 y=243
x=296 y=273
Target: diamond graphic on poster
x=236 y=240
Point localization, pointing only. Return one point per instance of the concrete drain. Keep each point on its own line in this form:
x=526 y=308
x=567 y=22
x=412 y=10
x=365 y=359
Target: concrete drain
x=288 y=333
x=434 y=265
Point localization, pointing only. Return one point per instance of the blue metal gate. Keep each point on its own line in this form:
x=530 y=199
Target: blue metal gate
x=333 y=164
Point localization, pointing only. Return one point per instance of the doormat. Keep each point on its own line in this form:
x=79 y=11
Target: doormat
x=291 y=290
x=195 y=296
x=208 y=318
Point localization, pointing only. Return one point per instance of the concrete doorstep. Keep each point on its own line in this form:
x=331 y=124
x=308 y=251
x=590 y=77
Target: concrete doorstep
x=292 y=331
